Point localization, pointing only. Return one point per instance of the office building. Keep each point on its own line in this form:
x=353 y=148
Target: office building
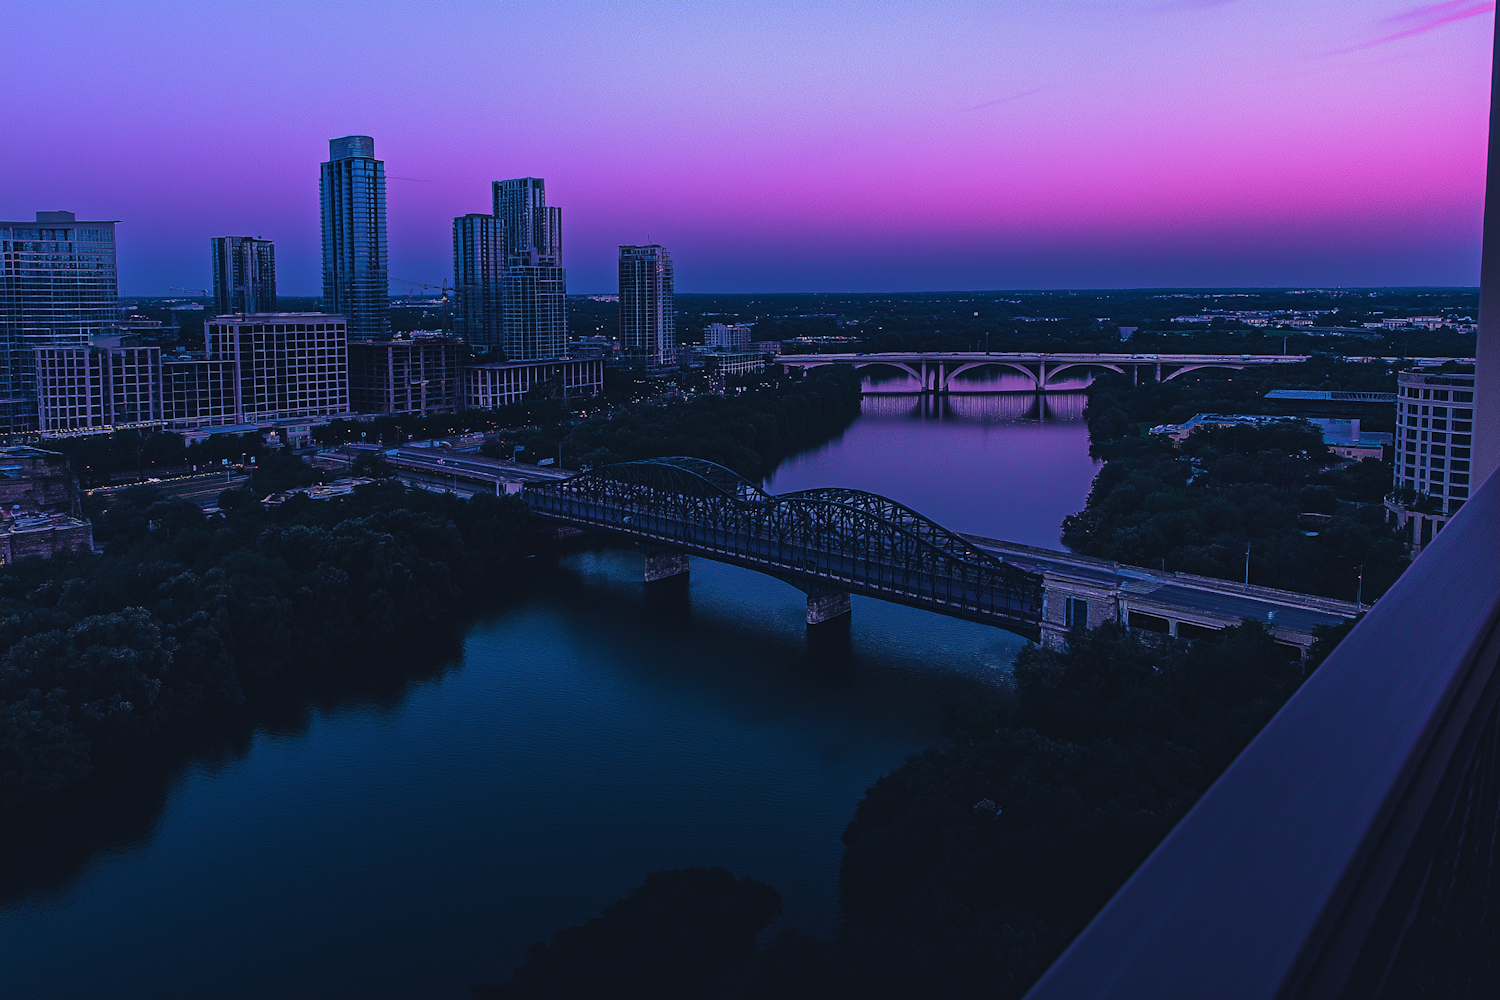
x=98 y=388
x=244 y=274
x=355 y=281
x=416 y=374
x=198 y=392
x=58 y=288
x=731 y=337
x=648 y=314
x=534 y=295
x=258 y=370
x=503 y=383
x=1434 y=447
x=478 y=280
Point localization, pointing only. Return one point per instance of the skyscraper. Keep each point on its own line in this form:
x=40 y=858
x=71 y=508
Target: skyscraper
x=355 y=281
x=478 y=280
x=244 y=274
x=535 y=290
x=648 y=318
x=58 y=288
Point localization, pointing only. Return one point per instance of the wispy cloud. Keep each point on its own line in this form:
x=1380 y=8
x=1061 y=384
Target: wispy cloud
x=1007 y=98
x=1427 y=17
x=419 y=180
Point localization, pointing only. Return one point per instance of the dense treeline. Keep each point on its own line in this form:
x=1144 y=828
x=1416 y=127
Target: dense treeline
x=1197 y=508
x=99 y=652
x=971 y=866
x=749 y=432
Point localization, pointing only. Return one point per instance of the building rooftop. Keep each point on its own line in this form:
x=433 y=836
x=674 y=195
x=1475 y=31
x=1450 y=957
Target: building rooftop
x=1346 y=397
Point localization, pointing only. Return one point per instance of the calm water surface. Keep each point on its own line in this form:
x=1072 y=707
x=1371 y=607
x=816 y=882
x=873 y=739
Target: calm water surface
x=409 y=827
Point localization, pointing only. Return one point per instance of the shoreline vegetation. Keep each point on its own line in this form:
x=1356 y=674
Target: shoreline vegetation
x=101 y=653
x=1200 y=506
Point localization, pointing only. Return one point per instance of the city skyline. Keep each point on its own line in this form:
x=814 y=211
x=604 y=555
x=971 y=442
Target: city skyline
x=1119 y=145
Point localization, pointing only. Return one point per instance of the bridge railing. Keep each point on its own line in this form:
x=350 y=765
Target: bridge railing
x=1351 y=849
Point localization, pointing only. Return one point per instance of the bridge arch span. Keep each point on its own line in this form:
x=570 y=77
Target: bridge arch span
x=1208 y=364
x=997 y=363
x=1083 y=364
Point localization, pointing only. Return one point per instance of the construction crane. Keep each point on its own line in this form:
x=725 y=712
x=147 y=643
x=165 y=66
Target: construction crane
x=442 y=289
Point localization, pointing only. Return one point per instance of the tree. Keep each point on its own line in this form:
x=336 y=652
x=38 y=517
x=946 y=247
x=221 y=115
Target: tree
x=685 y=933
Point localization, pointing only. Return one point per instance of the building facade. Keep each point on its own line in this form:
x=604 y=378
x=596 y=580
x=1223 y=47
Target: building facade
x=97 y=389
x=355 y=280
x=648 y=313
x=419 y=374
x=478 y=281
x=1434 y=446
x=534 y=293
x=244 y=274
x=261 y=369
x=503 y=383
x=58 y=288
x=728 y=336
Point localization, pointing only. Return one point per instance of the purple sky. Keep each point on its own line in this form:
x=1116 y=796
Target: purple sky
x=779 y=147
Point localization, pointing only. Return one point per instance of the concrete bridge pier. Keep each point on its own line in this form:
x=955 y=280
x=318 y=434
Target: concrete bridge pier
x=663 y=564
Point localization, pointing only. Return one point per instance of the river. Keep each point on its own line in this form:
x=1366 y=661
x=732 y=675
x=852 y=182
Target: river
x=407 y=827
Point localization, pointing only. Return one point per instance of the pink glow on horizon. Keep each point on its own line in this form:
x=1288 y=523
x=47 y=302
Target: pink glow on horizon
x=780 y=147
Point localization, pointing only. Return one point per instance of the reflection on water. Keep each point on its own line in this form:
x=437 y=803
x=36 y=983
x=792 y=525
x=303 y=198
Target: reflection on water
x=883 y=379
x=1005 y=465
x=411 y=821
x=989 y=408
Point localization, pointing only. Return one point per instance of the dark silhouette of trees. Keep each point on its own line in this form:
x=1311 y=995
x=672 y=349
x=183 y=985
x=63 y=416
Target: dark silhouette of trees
x=99 y=653
x=685 y=934
x=1195 y=508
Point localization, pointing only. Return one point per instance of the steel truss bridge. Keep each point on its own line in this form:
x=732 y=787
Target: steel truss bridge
x=829 y=543
x=935 y=371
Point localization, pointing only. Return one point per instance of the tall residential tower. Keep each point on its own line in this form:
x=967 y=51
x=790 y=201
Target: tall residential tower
x=478 y=280
x=58 y=288
x=535 y=289
x=648 y=318
x=355 y=281
x=244 y=274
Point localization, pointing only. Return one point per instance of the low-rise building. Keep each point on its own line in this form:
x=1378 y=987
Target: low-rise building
x=1324 y=403
x=416 y=374
x=735 y=363
x=1180 y=432
x=34 y=479
x=24 y=535
x=504 y=382
x=1344 y=438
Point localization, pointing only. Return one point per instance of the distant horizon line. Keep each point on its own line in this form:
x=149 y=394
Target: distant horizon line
x=988 y=291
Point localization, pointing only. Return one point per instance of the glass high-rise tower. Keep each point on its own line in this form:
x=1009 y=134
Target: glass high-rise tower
x=244 y=274
x=58 y=288
x=534 y=296
x=355 y=283
x=648 y=316
x=478 y=280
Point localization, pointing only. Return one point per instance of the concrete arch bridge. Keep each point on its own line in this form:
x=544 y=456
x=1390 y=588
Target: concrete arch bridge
x=936 y=371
